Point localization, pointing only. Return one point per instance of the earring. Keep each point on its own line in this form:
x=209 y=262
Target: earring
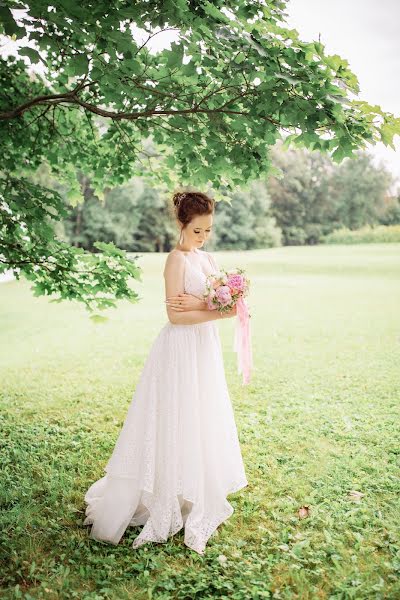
x=181 y=238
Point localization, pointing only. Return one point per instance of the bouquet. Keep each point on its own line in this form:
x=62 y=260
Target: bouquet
x=223 y=291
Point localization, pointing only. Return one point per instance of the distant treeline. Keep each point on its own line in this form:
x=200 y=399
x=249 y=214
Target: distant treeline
x=314 y=198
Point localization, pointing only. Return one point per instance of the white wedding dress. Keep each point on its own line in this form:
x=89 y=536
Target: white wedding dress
x=177 y=456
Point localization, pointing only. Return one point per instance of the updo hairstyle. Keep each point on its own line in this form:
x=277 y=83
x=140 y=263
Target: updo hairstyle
x=191 y=204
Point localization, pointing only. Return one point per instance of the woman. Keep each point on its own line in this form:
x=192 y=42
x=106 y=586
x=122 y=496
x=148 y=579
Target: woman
x=177 y=456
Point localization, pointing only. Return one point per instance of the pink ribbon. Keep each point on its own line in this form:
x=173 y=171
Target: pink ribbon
x=242 y=340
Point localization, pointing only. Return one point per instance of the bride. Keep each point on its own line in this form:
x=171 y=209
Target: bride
x=177 y=456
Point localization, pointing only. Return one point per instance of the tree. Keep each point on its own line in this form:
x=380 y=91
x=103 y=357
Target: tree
x=358 y=192
x=116 y=219
x=302 y=199
x=390 y=212
x=246 y=222
x=316 y=196
x=155 y=231
x=234 y=82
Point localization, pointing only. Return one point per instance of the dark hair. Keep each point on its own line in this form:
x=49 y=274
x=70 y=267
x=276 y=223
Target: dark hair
x=190 y=204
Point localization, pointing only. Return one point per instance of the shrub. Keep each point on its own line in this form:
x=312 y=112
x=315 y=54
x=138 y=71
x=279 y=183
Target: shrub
x=364 y=235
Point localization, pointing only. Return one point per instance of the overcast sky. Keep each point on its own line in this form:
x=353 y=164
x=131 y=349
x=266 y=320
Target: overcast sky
x=367 y=34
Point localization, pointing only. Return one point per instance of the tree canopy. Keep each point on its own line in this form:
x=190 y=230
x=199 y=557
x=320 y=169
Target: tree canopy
x=85 y=96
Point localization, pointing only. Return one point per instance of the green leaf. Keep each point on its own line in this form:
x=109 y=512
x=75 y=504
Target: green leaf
x=239 y=58
x=339 y=154
x=214 y=12
x=9 y=25
x=335 y=61
x=337 y=98
x=98 y=318
x=31 y=53
x=175 y=55
x=288 y=140
x=388 y=131
x=288 y=78
x=75 y=197
x=79 y=65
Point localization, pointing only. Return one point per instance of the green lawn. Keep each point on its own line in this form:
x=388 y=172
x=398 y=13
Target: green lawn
x=319 y=419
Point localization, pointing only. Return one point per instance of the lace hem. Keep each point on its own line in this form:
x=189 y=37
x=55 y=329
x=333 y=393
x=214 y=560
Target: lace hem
x=164 y=517
x=197 y=532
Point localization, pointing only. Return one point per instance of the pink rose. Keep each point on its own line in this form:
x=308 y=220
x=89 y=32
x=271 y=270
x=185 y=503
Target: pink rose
x=224 y=295
x=236 y=282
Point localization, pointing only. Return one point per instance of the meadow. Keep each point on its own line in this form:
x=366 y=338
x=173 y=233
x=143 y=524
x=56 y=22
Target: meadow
x=318 y=427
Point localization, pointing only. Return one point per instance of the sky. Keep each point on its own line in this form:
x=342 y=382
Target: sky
x=367 y=34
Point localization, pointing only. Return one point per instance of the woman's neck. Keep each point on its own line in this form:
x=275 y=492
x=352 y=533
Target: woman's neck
x=187 y=250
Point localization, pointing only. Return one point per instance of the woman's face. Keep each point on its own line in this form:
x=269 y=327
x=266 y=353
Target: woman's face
x=197 y=232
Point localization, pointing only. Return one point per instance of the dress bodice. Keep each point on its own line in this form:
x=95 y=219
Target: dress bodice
x=195 y=278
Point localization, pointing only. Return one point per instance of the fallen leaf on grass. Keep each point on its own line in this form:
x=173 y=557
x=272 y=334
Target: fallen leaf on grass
x=355 y=496
x=304 y=511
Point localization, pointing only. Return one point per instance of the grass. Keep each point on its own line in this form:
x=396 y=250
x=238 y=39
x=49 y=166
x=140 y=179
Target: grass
x=319 y=419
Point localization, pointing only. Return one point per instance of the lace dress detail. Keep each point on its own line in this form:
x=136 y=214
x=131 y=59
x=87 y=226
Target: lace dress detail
x=177 y=456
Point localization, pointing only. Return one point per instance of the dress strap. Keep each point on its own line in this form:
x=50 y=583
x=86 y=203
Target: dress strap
x=212 y=262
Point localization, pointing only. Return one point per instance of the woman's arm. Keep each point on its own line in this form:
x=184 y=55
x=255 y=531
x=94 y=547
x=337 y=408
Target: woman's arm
x=191 y=317
x=186 y=302
x=174 y=274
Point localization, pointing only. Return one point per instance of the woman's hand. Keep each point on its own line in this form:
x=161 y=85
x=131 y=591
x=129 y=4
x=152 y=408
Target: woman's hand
x=183 y=302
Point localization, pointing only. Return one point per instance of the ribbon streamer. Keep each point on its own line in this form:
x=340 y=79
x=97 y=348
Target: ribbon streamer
x=242 y=340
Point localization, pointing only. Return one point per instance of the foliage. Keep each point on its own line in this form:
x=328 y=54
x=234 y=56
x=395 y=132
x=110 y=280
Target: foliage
x=390 y=211
x=113 y=219
x=316 y=196
x=213 y=102
x=27 y=239
x=246 y=221
x=86 y=95
x=156 y=229
x=138 y=218
x=368 y=234
x=301 y=201
x=358 y=192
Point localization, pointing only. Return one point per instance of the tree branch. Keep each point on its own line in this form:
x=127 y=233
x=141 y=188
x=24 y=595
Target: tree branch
x=72 y=98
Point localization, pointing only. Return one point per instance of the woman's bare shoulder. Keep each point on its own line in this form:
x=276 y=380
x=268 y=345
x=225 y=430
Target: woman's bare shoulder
x=174 y=259
x=175 y=254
